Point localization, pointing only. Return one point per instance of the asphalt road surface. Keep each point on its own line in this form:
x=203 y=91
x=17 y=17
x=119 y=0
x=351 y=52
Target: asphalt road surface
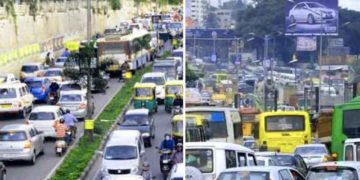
x=162 y=125
x=47 y=162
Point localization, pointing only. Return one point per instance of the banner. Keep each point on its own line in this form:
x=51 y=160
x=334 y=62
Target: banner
x=306 y=44
x=311 y=17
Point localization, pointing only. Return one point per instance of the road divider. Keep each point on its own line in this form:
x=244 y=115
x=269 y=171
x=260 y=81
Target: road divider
x=79 y=160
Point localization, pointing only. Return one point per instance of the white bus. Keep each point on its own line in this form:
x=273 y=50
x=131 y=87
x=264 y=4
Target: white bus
x=115 y=49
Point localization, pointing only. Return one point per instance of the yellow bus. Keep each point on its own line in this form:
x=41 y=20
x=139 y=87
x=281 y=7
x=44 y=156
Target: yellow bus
x=283 y=130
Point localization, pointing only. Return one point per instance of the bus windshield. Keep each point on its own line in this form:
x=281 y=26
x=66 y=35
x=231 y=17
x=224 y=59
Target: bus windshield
x=216 y=123
x=285 y=123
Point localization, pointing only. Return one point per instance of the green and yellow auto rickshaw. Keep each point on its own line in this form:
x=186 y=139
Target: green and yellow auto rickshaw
x=171 y=89
x=177 y=128
x=144 y=96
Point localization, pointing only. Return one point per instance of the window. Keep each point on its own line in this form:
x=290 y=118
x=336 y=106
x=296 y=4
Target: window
x=22 y=92
x=252 y=160
x=349 y=152
x=42 y=116
x=351 y=123
x=296 y=175
x=13 y=136
x=7 y=93
x=32 y=132
x=202 y=159
x=285 y=175
x=230 y=158
x=285 y=123
x=241 y=159
x=120 y=153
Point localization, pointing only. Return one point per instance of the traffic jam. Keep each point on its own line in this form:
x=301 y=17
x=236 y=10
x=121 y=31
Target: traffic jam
x=264 y=102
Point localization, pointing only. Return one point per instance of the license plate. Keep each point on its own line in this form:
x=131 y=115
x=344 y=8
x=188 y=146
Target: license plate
x=58 y=150
x=6 y=106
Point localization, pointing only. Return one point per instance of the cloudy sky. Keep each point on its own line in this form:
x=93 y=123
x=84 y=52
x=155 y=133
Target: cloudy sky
x=350 y=4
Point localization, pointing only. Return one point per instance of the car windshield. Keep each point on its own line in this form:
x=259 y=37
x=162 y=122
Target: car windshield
x=135 y=120
x=52 y=73
x=310 y=150
x=12 y=136
x=34 y=84
x=120 y=153
x=70 y=98
x=38 y=116
x=332 y=172
x=29 y=69
x=315 y=5
x=69 y=87
x=244 y=175
x=157 y=80
x=7 y=93
x=250 y=144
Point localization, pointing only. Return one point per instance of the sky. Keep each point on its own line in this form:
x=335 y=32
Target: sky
x=350 y=4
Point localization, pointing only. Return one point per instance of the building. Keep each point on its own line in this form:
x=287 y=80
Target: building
x=198 y=10
x=224 y=18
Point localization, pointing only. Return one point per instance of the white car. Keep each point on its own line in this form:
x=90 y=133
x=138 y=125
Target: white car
x=313 y=153
x=176 y=172
x=8 y=78
x=76 y=102
x=261 y=173
x=265 y=161
x=335 y=170
x=54 y=74
x=15 y=98
x=159 y=79
x=43 y=118
x=311 y=13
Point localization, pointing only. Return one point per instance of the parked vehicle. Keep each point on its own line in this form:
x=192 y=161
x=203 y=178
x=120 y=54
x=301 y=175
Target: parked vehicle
x=313 y=153
x=31 y=70
x=43 y=117
x=76 y=102
x=123 y=154
x=15 y=98
x=21 y=142
x=141 y=120
x=261 y=173
x=39 y=88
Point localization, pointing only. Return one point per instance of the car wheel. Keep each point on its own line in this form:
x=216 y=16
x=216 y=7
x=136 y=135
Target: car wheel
x=310 y=19
x=292 y=19
x=33 y=159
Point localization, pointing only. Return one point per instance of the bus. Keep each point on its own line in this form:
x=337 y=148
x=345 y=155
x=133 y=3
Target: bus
x=284 y=75
x=345 y=125
x=224 y=124
x=283 y=131
x=116 y=48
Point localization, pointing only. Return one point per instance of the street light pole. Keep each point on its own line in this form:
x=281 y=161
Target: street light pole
x=88 y=94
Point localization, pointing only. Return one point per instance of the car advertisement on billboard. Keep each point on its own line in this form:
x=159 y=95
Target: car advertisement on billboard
x=311 y=17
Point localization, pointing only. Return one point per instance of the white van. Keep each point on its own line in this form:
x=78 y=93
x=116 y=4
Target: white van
x=15 y=98
x=123 y=154
x=211 y=158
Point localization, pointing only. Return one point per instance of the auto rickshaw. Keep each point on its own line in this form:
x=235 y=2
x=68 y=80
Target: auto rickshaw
x=177 y=128
x=144 y=96
x=196 y=128
x=171 y=89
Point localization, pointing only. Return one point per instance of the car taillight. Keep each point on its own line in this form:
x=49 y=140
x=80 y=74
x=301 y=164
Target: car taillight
x=83 y=106
x=28 y=144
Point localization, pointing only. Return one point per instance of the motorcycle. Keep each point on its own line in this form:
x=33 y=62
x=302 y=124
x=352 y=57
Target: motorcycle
x=176 y=110
x=165 y=161
x=61 y=146
x=53 y=98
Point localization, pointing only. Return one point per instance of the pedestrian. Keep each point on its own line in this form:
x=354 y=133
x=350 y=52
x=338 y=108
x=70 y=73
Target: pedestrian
x=47 y=59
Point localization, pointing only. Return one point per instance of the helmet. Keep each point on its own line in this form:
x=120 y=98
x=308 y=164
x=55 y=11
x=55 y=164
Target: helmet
x=67 y=110
x=62 y=120
x=146 y=166
x=179 y=145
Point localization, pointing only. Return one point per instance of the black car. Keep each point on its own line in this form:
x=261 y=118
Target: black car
x=2 y=171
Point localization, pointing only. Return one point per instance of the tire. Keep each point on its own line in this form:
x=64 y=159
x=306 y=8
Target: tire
x=33 y=159
x=42 y=152
x=310 y=19
x=292 y=19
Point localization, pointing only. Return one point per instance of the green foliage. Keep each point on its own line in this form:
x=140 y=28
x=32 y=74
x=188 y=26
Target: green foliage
x=190 y=74
x=115 y=4
x=78 y=158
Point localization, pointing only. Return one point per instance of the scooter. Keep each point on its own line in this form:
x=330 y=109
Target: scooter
x=165 y=162
x=176 y=110
x=61 y=146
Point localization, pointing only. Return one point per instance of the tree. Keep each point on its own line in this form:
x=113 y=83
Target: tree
x=190 y=74
x=211 y=21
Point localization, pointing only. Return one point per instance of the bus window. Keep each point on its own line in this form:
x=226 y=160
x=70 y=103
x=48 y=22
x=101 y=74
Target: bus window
x=230 y=158
x=216 y=123
x=351 y=123
x=242 y=159
x=285 y=123
x=349 y=153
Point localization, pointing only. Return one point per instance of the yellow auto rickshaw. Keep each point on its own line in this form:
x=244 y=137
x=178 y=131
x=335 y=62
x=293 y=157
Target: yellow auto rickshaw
x=196 y=127
x=177 y=128
x=171 y=89
x=144 y=96
x=218 y=99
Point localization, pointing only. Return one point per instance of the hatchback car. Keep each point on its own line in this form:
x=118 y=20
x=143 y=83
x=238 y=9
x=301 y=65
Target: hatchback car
x=261 y=173
x=39 y=87
x=313 y=153
x=311 y=13
x=348 y=170
x=20 y=142
x=31 y=70
x=43 y=117
x=76 y=102
x=54 y=74
x=140 y=119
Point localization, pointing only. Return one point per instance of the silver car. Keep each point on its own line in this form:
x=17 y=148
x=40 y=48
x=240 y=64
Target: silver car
x=313 y=153
x=20 y=142
x=311 y=13
x=76 y=102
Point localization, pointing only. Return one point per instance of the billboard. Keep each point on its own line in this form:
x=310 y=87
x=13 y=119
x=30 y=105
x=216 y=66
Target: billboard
x=306 y=44
x=311 y=17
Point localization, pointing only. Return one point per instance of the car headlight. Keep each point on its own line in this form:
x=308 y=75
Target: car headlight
x=145 y=134
x=134 y=170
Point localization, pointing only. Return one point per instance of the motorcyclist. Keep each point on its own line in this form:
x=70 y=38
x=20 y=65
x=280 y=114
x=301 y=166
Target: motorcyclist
x=54 y=88
x=177 y=156
x=167 y=143
x=61 y=129
x=145 y=172
x=178 y=101
x=123 y=69
x=70 y=120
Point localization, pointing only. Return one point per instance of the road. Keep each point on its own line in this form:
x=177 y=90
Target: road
x=45 y=163
x=162 y=125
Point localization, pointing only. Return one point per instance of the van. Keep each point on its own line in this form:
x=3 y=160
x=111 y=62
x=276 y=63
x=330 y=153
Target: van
x=211 y=158
x=16 y=98
x=123 y=154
